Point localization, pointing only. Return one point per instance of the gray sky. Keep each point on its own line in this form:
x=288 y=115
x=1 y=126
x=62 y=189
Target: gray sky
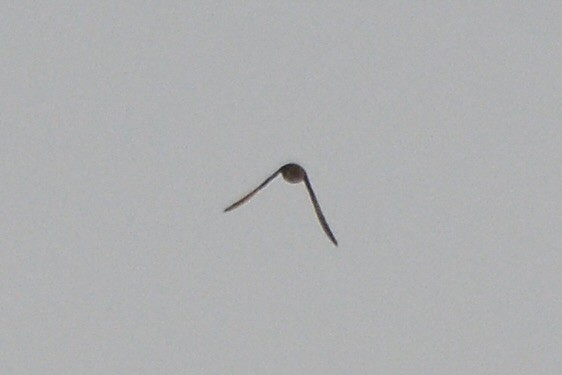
x=432 y=136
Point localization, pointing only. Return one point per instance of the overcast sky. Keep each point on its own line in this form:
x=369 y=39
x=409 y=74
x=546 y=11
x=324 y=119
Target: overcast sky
x=432 y=135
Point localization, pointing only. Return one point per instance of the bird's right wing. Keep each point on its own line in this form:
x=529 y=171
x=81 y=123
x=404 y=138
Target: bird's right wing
x=252 y=193
x=318 y=211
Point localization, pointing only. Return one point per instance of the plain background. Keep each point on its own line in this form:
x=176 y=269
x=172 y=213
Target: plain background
x=432 y=134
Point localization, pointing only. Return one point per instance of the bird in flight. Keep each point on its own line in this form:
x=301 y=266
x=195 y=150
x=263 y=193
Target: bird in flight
x=292 y=173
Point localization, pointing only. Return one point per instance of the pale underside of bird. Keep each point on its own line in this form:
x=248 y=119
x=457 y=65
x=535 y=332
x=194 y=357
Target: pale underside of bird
x=292 y=173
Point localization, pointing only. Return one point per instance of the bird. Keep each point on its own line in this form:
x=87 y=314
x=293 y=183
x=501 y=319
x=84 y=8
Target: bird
x=293 y=174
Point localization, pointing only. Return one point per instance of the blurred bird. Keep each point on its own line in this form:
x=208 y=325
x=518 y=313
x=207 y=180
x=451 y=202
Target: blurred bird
x=292 y=173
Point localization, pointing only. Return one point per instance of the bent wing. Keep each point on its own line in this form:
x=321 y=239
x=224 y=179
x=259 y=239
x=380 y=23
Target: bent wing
x=252 y=193
x=319 y=213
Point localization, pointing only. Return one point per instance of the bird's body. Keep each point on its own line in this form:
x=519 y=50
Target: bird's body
x=292 y=173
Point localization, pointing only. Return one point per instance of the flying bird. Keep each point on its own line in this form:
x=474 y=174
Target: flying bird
x=292 y=173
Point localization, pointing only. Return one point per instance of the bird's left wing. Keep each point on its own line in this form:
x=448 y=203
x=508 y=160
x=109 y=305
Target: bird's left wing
x=252 y=193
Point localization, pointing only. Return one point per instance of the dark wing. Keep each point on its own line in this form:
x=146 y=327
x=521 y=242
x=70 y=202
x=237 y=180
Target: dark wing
x=251 y=194
x=319 y=213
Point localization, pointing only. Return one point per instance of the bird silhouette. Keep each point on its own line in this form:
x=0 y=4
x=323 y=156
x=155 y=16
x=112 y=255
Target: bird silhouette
x=292 y=173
